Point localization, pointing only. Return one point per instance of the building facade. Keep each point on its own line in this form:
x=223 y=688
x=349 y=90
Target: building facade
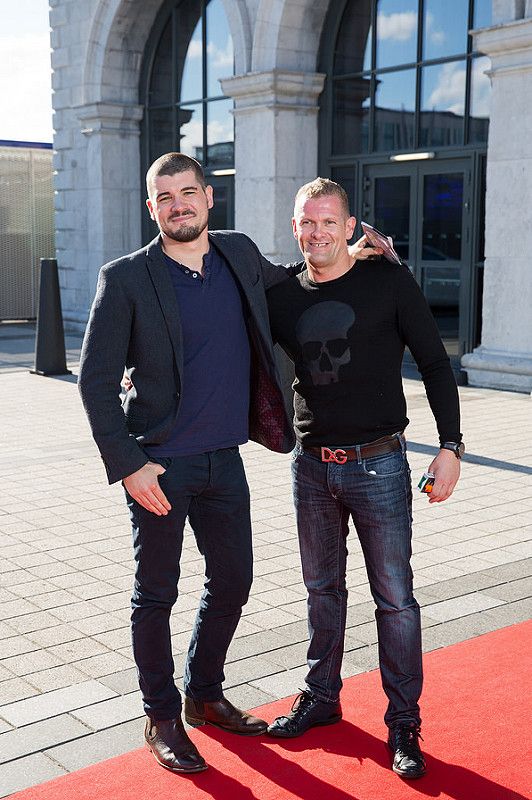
x=417 y=107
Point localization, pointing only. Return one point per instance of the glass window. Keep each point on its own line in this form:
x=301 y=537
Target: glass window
x=192 y=79
x=183 y=83
x=442 y=104
x=351 y=118
x=190 y=125
x=395 y=104
x=397 y=22
x=392 y=210
x=220 y=57
x=353 y=46
x=442 y=216
x=220 y=134
x=482 y=14
x=345 y=176
x=444 y=28
x=480 y=100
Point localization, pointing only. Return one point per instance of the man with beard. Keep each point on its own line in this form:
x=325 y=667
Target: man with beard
x=187 y=316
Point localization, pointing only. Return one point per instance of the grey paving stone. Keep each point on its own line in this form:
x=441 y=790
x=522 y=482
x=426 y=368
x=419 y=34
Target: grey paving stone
x=248 y=669
x=255 y=644
x=76 y=650
x=461 y=606
x=122 y=682
x=247 y=697
x=28 y=771
x=16 y=608
x=514 y=590
x=271 y=618
x=510 y=613
x=98 y=746
x=55 y=678
x=111 y=712
x=103 y=664
x=52 y=704
x=16 y=645
x=31 y=662
x=282 y=684
x=38 y=736
x=13 y=689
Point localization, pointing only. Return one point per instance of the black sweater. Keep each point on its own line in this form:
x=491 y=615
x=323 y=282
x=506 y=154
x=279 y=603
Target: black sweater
x=346 y=338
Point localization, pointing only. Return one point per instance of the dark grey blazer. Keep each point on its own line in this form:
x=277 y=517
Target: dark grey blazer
x=135 y=323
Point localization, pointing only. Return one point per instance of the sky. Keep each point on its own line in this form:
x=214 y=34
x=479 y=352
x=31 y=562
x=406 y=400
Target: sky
x=25 y=71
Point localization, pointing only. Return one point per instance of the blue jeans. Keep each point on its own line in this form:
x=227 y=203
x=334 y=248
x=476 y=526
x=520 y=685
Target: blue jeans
x=377 y=493
x=211 y=489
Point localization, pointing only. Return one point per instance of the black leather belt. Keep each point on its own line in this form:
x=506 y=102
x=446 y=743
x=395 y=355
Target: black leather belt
x=339 y=455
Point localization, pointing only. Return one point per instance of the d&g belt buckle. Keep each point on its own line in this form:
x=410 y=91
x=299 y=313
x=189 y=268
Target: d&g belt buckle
x=339 y=456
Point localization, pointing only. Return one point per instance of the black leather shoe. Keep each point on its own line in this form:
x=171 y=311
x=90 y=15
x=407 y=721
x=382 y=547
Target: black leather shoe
x=307 y=711
x=408 y=760
x=171 y=747
x=223 y=714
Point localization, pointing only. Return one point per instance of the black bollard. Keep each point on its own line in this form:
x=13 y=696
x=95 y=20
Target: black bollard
x=50 y=356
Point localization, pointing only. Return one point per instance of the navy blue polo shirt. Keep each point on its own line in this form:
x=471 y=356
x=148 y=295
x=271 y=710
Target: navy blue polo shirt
x=214 y=407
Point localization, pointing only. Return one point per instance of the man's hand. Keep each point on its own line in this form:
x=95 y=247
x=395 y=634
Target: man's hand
x=446 y=470
x=361 y=251
x=143 y=486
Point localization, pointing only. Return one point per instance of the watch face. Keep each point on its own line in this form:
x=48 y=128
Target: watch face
x=461 y=449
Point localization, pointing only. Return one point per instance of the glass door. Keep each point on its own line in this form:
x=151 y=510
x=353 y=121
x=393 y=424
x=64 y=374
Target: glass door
x=425 y=207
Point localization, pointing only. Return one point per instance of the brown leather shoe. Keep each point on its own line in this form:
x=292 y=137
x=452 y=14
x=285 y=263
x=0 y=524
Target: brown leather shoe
x=222 y=714
x=171 y=747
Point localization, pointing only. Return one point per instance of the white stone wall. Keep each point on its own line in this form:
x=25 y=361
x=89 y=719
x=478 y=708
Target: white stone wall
x=504 y=358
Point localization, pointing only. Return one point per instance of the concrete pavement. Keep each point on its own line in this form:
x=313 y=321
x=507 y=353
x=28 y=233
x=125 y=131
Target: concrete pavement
x=68 y=691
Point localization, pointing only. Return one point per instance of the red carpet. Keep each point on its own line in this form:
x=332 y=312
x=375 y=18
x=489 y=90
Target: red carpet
x=477 y=720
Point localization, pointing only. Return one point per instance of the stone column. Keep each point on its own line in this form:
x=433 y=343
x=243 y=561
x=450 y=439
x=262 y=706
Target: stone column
x=113 y=190
x=276 y=151
x=504 y=358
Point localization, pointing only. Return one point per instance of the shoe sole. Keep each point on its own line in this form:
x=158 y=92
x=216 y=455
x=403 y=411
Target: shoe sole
x=175 y=769
x=331 y=721
x=198 y=723
x=407 y=775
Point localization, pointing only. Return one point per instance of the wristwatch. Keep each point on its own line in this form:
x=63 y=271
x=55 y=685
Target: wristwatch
x=457 y=448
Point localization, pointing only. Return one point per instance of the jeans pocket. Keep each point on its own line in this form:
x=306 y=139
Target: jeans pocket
x=384 y=466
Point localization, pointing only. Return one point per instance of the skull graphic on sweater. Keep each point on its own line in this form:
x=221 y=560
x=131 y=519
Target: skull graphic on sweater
x=322 y=332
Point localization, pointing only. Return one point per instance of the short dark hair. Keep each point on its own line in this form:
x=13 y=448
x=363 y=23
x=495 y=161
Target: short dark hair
x=172 y=163
x=324 y=187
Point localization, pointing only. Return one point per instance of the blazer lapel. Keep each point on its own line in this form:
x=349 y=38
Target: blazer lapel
x=164 y=289
x=222 y=242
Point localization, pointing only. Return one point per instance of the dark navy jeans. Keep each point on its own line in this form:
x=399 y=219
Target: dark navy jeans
x=212 y=491
x=377 y=494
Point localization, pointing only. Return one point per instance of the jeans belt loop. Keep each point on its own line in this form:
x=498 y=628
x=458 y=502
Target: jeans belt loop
x=359 y=457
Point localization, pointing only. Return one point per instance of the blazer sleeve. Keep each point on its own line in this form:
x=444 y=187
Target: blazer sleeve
x=103 y=357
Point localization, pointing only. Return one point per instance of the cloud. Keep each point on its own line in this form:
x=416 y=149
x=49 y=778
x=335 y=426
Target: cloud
x=398 y=27
x=436 y=36
x=192 y=133
x=220 y=57
x=449 y=94
x=26 y=87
